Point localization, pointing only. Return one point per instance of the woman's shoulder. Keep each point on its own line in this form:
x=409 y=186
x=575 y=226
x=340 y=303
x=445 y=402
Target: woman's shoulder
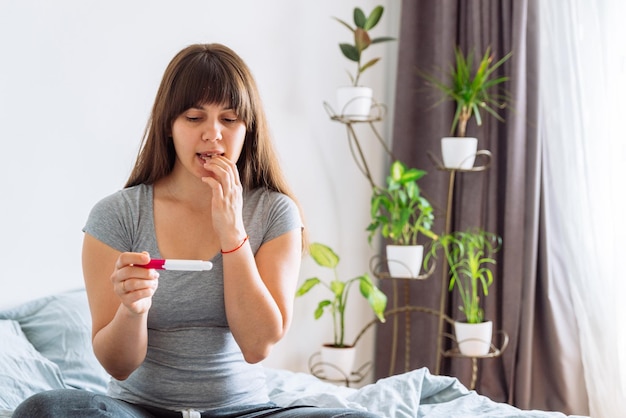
x=268 y=206
x=266 y=197
x=120 y=217
x=124 y=202
x=137 y=193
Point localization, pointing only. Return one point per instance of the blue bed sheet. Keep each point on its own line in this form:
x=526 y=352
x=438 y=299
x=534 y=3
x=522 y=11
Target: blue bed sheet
x=415 y=394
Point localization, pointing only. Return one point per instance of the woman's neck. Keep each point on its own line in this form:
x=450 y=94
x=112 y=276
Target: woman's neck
x=184 y=189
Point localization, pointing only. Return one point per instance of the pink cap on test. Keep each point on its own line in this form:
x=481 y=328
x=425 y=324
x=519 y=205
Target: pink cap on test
x=153 y=264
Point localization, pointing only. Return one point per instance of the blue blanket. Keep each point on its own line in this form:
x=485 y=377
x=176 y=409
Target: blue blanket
x=414 y=394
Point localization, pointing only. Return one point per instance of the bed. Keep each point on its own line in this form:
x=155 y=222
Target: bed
x=45 y=344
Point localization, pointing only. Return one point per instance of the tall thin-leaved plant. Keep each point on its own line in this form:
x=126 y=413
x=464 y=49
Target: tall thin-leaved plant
x=472 y=88
x=469 y=255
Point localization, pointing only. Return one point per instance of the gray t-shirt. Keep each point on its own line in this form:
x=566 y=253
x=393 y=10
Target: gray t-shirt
x=193 y=360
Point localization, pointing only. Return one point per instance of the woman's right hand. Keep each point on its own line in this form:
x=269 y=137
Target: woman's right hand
x=120 y=296
x=134 y=285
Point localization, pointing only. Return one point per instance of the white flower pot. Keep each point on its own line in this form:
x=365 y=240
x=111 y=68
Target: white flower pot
x=459 y=152
x=354 y=102
x=405 y=261
x=474 y=340
x=337 y=362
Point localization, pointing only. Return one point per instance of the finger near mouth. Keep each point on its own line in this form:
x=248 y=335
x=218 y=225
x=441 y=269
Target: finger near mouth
x=207 y=157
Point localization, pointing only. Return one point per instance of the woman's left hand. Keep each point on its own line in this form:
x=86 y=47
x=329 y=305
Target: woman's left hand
x=227 y=202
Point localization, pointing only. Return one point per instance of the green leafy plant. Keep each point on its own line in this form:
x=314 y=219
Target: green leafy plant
x=399 y=211
x=471 y=91
x=469 y=254
x=324 y=256
x=362 y=40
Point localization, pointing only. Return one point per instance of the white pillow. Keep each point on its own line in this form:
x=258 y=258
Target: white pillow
x=59 y=327
x=23 y=371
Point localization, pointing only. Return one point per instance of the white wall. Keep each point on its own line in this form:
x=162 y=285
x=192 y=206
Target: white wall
x=77 y=80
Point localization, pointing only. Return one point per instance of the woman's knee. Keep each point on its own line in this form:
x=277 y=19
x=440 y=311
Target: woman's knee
x=43 y=404
x=75 y=403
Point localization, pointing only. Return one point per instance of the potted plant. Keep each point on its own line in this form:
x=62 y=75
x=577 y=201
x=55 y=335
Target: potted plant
x=355 y=101
x=324 y=256
x=401 y=214
x=471 y=88
x=469 y=255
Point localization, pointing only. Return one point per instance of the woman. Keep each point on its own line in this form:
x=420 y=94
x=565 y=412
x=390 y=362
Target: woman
x=206 y=186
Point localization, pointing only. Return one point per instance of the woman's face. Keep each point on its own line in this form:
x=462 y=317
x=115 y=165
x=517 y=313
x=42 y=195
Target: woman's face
x=204 y=131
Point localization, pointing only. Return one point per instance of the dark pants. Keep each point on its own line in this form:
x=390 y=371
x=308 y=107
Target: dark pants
x=69 y=403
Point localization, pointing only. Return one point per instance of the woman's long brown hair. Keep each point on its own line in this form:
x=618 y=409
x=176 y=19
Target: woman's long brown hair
x=209 y=74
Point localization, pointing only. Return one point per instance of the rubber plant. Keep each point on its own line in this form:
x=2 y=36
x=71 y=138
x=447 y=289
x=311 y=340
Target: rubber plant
x=362 y=39
x=339 y=289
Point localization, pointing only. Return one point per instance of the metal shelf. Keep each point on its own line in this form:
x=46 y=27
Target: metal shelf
x=378 y=263
x=317 y=366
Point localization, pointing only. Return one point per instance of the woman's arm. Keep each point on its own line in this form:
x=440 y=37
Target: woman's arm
x=258 y=290
x=120 y=296
x=259 y=293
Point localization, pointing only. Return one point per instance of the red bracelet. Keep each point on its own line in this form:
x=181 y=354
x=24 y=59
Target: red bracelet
x=236 y=248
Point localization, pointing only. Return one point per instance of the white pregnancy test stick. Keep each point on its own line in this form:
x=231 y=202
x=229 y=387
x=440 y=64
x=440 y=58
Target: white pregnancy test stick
x=182 y=265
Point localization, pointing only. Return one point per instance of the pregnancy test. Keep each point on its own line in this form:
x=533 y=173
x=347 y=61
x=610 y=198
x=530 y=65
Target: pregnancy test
x=181 y=265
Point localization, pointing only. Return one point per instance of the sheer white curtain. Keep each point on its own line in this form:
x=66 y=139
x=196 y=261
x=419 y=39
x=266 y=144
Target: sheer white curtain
x=583 y=68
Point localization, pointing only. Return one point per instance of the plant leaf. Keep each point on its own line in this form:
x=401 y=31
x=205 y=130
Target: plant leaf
x=337 y=287
x=323 y=255
x=359 y=18
x=350 y=52
x=307 y=285
x=376 y=298
x=397 y=170
x=347 y=25
x=319 y=311
x=410 y=176
x=373 y=18
x=383 y=39
x=368 y=64
x=361 y=40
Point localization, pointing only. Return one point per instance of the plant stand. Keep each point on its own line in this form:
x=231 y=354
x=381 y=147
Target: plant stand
x=493 y=352
x=356 y=150
x=377 y=266
x=448 y=227
x=317 y=368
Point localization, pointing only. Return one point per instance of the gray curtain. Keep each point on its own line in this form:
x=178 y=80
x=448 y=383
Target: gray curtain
x=506 y=199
